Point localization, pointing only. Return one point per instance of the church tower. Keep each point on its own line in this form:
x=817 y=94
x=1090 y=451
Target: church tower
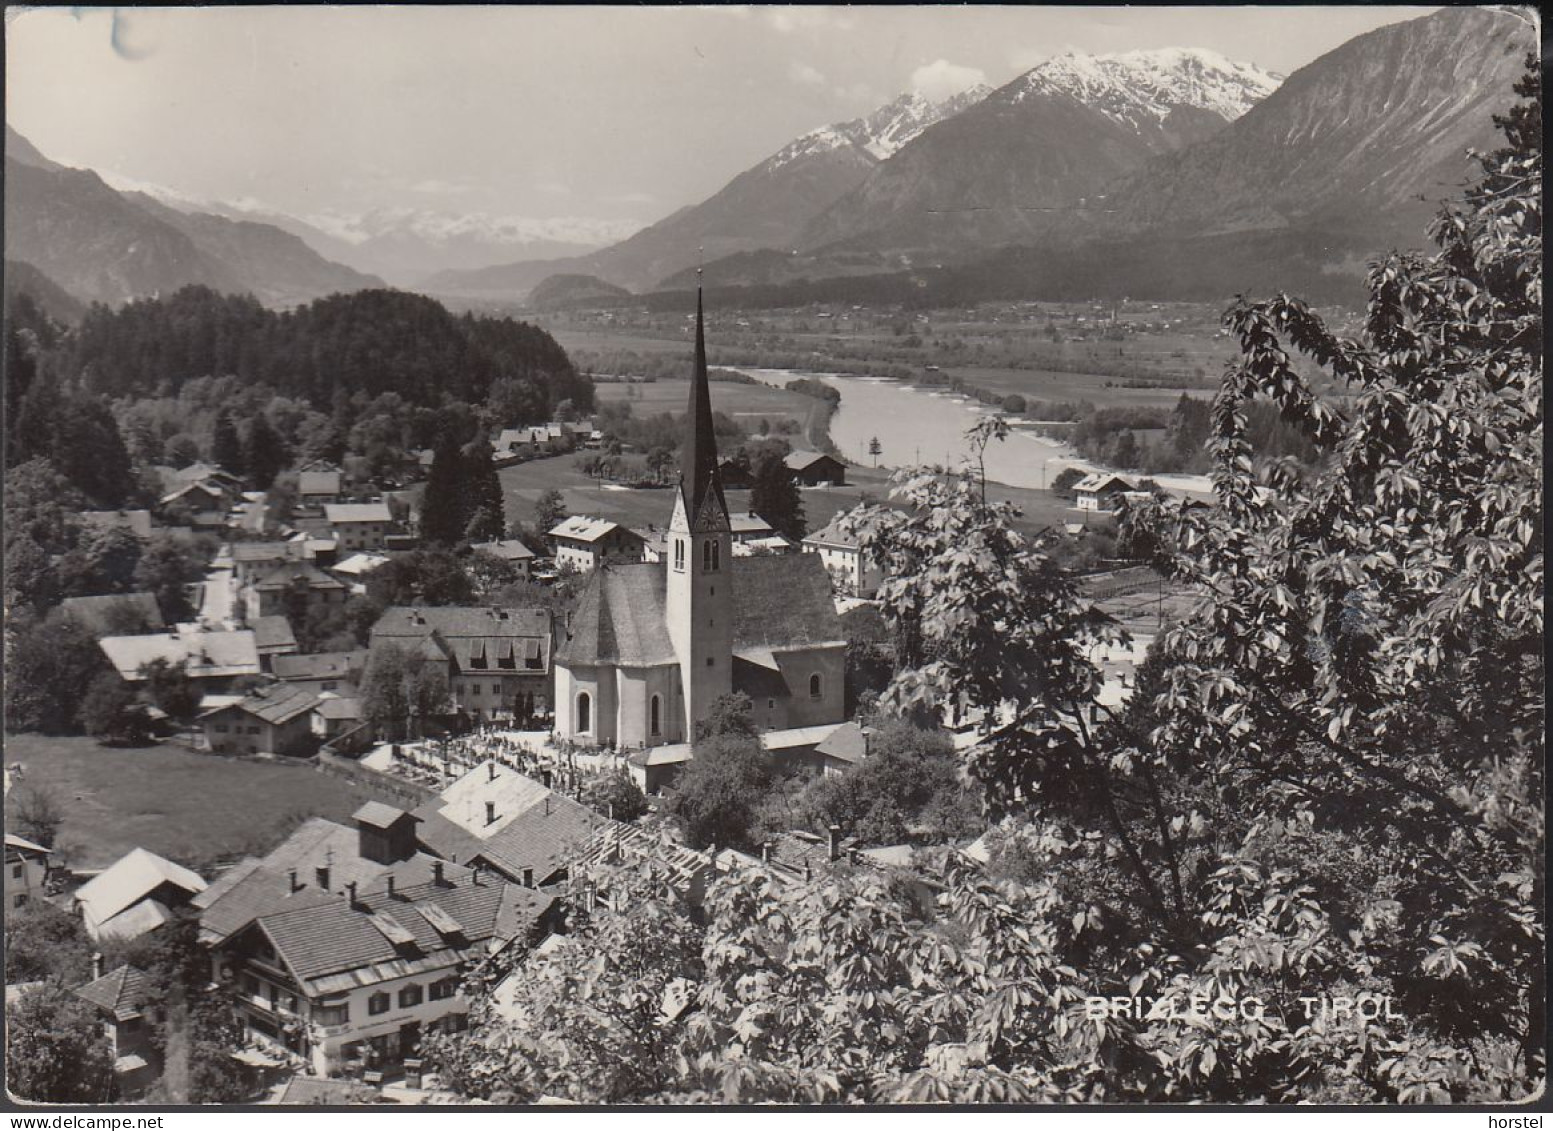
x=699 y=602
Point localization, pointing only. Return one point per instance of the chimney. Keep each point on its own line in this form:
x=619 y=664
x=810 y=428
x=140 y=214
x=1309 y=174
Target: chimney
x=296 y=885
x=528 y=877
x=96 y=965
x=390 y=885
x=835 y=842
x=808 y=872
x=868 y=739
x=609 y=810
x=546 y=777
x=490 y=812
x=350 y=892
x=475 y=869
x=765 y=852
x=436 y=873
x=321 y=876
x=591 y=896
x=490 y=771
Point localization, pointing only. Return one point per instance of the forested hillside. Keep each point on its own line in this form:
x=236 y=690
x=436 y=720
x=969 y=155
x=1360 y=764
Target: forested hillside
x=368 y=342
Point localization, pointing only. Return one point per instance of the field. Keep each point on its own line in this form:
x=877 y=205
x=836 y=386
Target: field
x=523 y=483
x=182 y=805
x=748 y=404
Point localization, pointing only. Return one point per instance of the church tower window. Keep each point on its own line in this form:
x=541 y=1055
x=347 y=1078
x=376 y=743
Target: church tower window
x=655 y=716
x=584 y=713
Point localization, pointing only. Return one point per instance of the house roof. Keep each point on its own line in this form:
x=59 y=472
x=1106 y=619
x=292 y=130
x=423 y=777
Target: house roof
x=287 y=573
x=122 y=993
x=128 y=880
x=357 y=512
x=803 y=460
x=378 y=815
x=339 y=945
x=535 y=827
x=267 y=551
x=93 y=613
x=749 y=524
x=847 y=743
x=510 y=549
x=202 y=654
x=276 y=704
x=1102 y=480
x=358 y=564
x=341 y=707
x=771 y=544
x=137 y=522
x=320 y=665
x=833 y=536
x=135 y=920
x=318 y=483
x=584 y=528
x=14 y=843
x=779 y=603
x=260 y=887
x=272 y=632
x=476 y=639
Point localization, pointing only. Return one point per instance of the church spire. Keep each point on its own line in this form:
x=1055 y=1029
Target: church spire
x=699 y=478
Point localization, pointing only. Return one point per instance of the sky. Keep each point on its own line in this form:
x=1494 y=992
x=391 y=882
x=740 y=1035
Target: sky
x=589 y=119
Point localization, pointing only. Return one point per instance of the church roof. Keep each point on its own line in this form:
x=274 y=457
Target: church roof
x=778 y=603
x=699 y=477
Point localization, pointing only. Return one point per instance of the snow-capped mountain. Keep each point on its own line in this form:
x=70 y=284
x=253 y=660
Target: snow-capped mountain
x=1003 y=169
x=1138 y=87
x=882 y=133
x=766 y=206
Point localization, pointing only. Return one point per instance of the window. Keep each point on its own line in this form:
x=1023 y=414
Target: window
x=20 y=900
x=251 y=984
x=816 y=691
x=222 y=728
x=16 y=871
x=679 y=555
x=710 y=662
x=410 y=996
x=333 y=1013
x=378 y=1003
x=441 y=991
x=709 y=555
x=584 y=713
x=655 y=720
x=474 y=690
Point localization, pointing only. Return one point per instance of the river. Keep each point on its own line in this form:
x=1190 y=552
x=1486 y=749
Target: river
x=924 y=426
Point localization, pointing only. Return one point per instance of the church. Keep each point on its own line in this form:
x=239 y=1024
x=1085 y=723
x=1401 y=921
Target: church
x=652 y=644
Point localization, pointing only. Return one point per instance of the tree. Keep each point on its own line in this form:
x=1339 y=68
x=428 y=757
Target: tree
x=442 y=504
x=400 y=691
x=484 y=507
x=168 y=566
x=715 y=794
x=55 y=1049
x=110 y=710
x=1065 y=480
x=264 y=453
x=875 y=449
x=38 y=814
x=775 y=497
x=47 y=665
x=615 y=794
x=226 y=446
x=171 y=688
x=549 y=511
x=421 y=577
x=1014 y=404
x=730 y=714
x=43 y=943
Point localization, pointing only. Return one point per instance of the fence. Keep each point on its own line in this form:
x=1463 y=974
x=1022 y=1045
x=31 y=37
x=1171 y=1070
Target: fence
x=410 y=794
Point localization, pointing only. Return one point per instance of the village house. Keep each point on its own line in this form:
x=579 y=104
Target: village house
x=346 y=946
x=272 y=638
x=137 y=894
x=1101 y=491
x=26 y=871
x=360 y=526
x=268 y=720
x=319 y=486
x=212 y=659
x=251 y=560
x=651 y=645
x=125 y=1002
x=323 y=671
x=520 y=828
x=510 y=550
x=497 y=659
x=335 y=715
x=749 y=527
x=585 y=543
x=816 y=469
x=853 y=571
x=290 y=588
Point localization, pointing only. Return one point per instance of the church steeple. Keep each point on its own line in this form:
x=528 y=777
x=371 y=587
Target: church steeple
x=699 y=478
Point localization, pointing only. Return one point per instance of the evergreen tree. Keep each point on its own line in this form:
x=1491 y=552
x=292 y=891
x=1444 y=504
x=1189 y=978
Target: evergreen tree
x=549 y=511
x=774 y=496
x=442 y=503
x=226 y=446
x=483 y=506
x=265 y=453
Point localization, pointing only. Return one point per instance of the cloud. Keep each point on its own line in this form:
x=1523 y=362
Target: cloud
x=631 y=198
x=790 y=19
x=941 y=78
x=804 y=75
